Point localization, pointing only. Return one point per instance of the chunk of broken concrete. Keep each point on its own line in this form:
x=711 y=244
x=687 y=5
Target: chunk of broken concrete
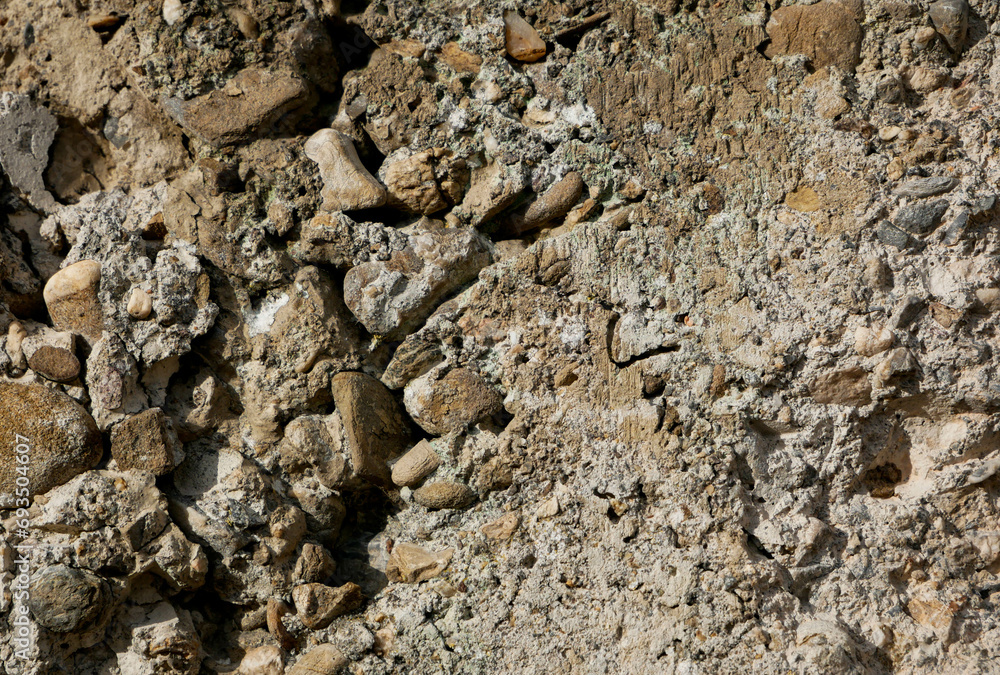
x=26 y=132
x=347 y=185
x=393 y=297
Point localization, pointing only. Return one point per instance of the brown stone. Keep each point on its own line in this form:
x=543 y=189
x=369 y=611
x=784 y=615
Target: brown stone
x=842 y=387
x=452 y=403
x=827 y=32
x=54 y=363
x=317 y=604
x=71 y=298
x=60 y=439
x=146 y=441
x=375 y=426
x=522 y=41
x=552 y=204
x=503 y=527
x=804 y=199
x=320 y=660
x=411 y=564
x=249 y=103
x=444 y=495
x=419 y=462
x=459 y=59
x=412 y=359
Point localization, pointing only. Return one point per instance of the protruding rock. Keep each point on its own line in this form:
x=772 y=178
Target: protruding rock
x=322 y=659
x=146 y=441
x=64 y=599
x=412 y=359
x=248 y=104
x=424 y=182
x=392 y=298
x=375 y=427
x=72 y=300
x=26 y=132
x=317 y=604
x=140 y=305
x=57 y=438
x=951 y=19
x=54 y=363
x=347 y=185
x=15 y=339
x=842 y=387
x=552 y=204
x=419 y=462
x=827 y=32
x=921 y=218
x=263 y=660
x=926 y=187
x=523 y=42
x=444 y=495
x=314 y=565
x=411 y=564
x=457 y=400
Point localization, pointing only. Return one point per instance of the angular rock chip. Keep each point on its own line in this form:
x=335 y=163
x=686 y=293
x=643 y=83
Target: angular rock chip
x=411 y=564
x=921 y=218
x=317 y=604
x=523 y=42
x=146 y=441
x=503 y=527
x=347 y=185
x=843 y=387
x=951 y=19
x=376 y=428
x=71 y=296
x=249 y=103
x=444 y=495
x=57 y=437
x=394 y=297
x=926 y=187
x=827 y=32
x=452 y=403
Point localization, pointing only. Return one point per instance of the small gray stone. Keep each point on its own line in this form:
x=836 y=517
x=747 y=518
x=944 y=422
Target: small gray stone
x=951 y=19
x=906 y=311
x=890 y=235
x=926 y=187
x=65 y=599
x=921 y=218
x=956 y=228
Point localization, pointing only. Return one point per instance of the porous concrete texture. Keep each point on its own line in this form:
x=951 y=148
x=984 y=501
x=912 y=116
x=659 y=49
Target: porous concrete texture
x=398 y=336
